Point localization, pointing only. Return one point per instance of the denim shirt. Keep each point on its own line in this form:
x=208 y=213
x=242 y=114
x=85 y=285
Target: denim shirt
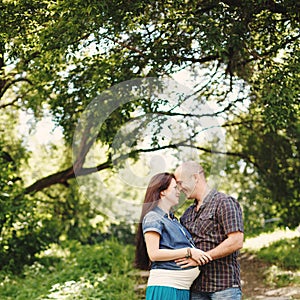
x=172 y=235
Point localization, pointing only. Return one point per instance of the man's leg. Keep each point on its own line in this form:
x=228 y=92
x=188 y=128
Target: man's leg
x=228 y=294
x=199 y=296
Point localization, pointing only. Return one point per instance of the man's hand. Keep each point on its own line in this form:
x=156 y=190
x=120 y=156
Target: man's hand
x=198 y=258
x=201 y=257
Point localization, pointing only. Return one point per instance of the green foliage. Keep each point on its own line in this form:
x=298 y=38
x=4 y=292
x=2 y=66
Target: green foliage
x=102 y=271
x=29 y=224
x=123 y=232
x=71 y=213
x=279 y=277
x=267 y=170
x=278 y=254
x=284 y=253
x=244 y=58
x=278 y=168
x=23 y=234
x=285 y=259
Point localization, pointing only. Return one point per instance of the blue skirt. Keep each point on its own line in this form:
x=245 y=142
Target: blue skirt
x=166 y=293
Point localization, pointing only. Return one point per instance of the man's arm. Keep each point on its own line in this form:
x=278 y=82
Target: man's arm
x=233 y=243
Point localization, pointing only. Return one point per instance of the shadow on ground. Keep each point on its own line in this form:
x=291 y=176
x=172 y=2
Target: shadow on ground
x=254 y=284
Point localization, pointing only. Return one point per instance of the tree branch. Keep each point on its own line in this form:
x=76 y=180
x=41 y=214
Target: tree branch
x=125 y=45
x=9 y=104
x=195 y=60
x=8 y=84
x=63 y=176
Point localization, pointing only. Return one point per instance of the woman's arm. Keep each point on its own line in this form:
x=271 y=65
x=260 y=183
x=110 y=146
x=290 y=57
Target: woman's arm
x=155 y=254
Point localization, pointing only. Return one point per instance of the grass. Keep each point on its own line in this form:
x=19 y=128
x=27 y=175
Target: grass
x=284 y=255
x=105 y=271
x=280 y=249
x=75 y=272
x=284 y=252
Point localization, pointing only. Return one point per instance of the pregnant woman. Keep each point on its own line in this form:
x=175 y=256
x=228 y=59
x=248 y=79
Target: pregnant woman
x=161 y=239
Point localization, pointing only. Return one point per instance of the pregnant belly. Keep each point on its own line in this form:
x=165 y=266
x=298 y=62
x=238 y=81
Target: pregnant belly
x=179 y=279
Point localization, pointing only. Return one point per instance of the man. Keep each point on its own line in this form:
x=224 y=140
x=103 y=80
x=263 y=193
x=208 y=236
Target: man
x=215 y=222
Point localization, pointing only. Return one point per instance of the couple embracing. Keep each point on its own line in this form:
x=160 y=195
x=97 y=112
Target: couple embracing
x=196 y=257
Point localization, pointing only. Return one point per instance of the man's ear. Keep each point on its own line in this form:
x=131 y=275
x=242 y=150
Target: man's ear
x=196 y=177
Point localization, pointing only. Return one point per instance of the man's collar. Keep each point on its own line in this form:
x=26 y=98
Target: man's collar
x=207 y=198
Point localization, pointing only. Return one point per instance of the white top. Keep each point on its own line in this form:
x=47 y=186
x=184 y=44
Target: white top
x=179 y=279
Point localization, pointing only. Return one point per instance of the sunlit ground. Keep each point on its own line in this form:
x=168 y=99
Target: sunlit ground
x=265 y=239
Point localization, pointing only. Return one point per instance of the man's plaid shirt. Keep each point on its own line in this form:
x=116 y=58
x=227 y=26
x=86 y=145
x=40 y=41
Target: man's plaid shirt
x=218 y=215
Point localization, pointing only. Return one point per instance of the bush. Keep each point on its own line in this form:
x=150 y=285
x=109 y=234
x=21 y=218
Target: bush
x=285 y=253
x=75 y=271
x=21 y=230
x=284 y=257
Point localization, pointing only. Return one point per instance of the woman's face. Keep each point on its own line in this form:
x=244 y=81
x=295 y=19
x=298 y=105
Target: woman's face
x=172 y=193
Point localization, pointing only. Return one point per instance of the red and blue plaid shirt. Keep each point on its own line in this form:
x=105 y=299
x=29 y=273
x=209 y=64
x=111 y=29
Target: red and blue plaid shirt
x=218 y=215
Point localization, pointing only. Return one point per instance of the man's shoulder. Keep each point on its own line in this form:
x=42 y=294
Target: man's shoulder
x=226 y=202
x=190 y=208
x=220 y=196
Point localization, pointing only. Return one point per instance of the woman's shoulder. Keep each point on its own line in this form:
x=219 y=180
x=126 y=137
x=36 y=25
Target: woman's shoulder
x=153 y=222
x=152 y=215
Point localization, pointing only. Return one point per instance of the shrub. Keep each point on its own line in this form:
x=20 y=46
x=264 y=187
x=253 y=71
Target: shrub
x=75 y=271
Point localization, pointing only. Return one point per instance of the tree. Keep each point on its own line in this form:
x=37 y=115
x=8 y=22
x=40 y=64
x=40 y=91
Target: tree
x=244 y=58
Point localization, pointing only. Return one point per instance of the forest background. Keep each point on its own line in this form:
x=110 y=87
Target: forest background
x=133 y=88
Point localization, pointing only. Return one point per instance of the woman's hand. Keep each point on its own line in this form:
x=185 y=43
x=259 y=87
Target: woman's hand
x=186 y=262
x=198 y=258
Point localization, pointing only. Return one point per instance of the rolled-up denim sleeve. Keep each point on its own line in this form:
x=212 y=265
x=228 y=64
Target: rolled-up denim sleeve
x=152 y=222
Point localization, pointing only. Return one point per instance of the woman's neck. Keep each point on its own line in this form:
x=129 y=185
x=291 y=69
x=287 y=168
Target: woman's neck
x=164 y=207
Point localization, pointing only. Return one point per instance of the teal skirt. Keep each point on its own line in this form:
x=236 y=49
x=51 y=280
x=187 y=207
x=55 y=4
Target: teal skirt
x=166 y=293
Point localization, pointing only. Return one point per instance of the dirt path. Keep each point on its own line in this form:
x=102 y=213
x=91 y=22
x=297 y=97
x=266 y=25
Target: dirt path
x=254 y=284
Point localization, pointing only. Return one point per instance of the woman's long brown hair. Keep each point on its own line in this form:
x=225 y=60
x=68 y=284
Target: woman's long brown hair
x=157 y=184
